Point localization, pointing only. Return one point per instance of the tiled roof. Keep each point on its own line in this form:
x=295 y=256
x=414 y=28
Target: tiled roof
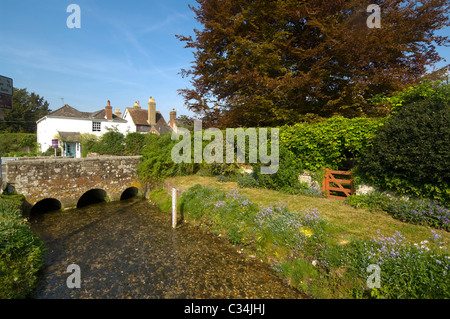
x=140 y=119
x=140 y=116
x=70 y=136
x=68 y=111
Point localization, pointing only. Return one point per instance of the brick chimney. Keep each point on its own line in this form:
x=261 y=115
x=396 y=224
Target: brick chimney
x=108 y=111
x=136 y=105
x=151 y=111
x=118 y=113
x=173 y=116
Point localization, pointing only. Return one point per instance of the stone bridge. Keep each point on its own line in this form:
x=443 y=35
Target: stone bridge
x=73 y=182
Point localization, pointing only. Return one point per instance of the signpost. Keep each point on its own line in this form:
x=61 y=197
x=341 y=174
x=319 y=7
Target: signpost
x=55 y=145
x=6 y=92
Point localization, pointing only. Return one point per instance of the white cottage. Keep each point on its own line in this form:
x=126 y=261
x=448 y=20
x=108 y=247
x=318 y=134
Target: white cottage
x=67 y=123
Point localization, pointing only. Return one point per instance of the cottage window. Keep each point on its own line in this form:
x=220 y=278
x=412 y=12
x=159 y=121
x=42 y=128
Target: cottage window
x=96 y=126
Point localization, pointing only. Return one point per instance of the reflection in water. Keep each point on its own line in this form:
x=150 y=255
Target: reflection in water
x=128 y=249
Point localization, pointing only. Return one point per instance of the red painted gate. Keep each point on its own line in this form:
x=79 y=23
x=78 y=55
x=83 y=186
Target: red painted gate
x=335 y=185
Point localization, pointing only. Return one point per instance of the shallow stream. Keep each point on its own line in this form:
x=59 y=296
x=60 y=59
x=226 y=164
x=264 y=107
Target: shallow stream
x=128 y=249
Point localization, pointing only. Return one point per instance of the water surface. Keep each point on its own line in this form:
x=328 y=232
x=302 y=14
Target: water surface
x=128 y=249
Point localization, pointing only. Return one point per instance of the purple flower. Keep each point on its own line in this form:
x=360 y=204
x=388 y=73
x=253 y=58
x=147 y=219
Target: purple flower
x=219 y=203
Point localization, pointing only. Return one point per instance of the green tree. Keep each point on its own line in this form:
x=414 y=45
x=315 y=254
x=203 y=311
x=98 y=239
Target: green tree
x=26 y=110
x=275 y=62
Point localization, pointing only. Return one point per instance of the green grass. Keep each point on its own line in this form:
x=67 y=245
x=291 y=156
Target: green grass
x=332 y=263
x=345 y=222
x=161 y=198
x=332 y=260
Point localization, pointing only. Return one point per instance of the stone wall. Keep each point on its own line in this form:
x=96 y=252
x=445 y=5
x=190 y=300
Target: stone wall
x=68 y=179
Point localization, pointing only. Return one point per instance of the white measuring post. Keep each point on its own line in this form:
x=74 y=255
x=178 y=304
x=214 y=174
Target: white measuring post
x=174 y=207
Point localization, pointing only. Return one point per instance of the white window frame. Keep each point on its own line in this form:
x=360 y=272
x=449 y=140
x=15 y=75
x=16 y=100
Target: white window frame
x=96 y=126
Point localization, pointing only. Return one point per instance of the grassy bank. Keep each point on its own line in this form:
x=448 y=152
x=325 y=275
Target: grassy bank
x=345 y=222
x=21 y=251
x=328 y=258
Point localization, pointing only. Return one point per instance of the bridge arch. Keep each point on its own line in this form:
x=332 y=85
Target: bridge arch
x=69 y=179
x=130 y=192
x=92 y=196
x=45 y=205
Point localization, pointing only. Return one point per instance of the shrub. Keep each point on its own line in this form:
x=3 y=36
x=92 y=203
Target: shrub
x=216 y=169
x=51 y=151
x=134 y=143
x=21 y=254
x=157 y=162
x=89 y=144
x=410 y=153
x=112 y=143
x=286 y=177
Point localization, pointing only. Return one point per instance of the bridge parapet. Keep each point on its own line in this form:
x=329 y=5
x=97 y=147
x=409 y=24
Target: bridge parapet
x=68 y=179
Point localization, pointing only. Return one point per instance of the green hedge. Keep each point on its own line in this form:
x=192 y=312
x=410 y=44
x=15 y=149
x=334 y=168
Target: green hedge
x=329 y=143
x=114 y=143
x=302 y=147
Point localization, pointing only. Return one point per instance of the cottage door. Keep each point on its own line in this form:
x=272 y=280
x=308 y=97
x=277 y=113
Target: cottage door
x=71 y=149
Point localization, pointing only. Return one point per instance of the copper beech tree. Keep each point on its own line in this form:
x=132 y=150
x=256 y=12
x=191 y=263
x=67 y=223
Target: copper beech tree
x=262 y=63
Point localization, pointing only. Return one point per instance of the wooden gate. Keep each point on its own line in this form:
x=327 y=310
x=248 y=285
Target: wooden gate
x=335 y=185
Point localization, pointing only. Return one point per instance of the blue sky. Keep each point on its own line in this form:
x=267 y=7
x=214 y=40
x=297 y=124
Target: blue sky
x=125 y=51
